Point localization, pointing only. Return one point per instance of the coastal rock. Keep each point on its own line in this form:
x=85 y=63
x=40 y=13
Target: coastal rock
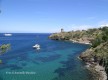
x=0 y=61
x=83 y=36
x=97 y=54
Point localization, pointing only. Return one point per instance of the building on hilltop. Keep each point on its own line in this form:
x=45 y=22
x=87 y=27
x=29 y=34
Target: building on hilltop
x=62 y=30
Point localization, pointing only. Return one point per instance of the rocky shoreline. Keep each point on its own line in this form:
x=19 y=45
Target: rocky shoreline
x=98 y=72
x=81 y=42
x=93 y=64
x=96 y=57
x=101 y=71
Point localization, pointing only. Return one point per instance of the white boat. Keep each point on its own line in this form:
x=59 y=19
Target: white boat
x=8 y=34
x=37 y=46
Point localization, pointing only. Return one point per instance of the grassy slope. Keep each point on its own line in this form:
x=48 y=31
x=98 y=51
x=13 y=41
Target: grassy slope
x=98 y=52
x=3 y=49
x=76 y=35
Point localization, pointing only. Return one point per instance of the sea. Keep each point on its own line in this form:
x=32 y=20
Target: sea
x=56 y=60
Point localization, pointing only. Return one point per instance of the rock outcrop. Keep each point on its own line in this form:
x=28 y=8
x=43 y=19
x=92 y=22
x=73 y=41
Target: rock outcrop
x=97 y=55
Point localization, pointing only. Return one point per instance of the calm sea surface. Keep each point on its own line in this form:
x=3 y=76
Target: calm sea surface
x=56 y=60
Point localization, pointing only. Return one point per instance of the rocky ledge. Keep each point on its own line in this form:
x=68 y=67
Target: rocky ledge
x=96 y=57
x=96 y=61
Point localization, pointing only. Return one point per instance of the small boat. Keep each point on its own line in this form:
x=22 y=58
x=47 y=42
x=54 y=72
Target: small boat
x=7 y=34
x=37 y=46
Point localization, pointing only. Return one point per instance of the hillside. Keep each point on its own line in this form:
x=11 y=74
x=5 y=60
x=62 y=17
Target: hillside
x=84 y=36
x=98 y=51
x=3 y=49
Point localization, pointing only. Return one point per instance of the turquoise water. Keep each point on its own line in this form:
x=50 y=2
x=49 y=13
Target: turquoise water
x=56 y=60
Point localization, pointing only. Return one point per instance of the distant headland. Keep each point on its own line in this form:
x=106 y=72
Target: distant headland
x=96 y=57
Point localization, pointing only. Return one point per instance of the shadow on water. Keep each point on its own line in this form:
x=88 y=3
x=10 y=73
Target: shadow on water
x=20 y=60
x=10 y=66
x=14 y=62
x=69 y=67
x=1 y=78
x=48 y=59
x=14 y=67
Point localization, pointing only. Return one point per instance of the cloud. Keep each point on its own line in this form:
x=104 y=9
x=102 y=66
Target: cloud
x=85 y=27
x=81 y=27
x=103 y=23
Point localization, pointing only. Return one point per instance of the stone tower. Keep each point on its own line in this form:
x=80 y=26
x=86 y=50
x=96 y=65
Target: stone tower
x=62 y=30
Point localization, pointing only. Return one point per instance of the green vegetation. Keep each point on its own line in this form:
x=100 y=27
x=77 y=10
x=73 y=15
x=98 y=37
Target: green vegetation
x=0 y=61
x=93 y=36
x=3 y=49
x=98 y=38
x=79 y=36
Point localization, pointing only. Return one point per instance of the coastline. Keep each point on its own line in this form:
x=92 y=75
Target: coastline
x=98 y=72
x=102 y=72
x=92 y=63
x=81 y=42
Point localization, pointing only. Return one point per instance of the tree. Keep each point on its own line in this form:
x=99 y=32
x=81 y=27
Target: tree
x=3 y=49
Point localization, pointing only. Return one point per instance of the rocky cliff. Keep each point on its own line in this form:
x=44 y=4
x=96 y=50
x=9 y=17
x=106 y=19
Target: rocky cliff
x=97 y=53
x=84 y=36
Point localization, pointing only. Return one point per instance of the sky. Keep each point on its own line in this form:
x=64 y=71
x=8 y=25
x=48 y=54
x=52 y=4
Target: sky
x=48 y=16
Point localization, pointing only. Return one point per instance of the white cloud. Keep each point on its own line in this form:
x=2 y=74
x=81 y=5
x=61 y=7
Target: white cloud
x=103 y=23
x=81 y=27
x=85 y=27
